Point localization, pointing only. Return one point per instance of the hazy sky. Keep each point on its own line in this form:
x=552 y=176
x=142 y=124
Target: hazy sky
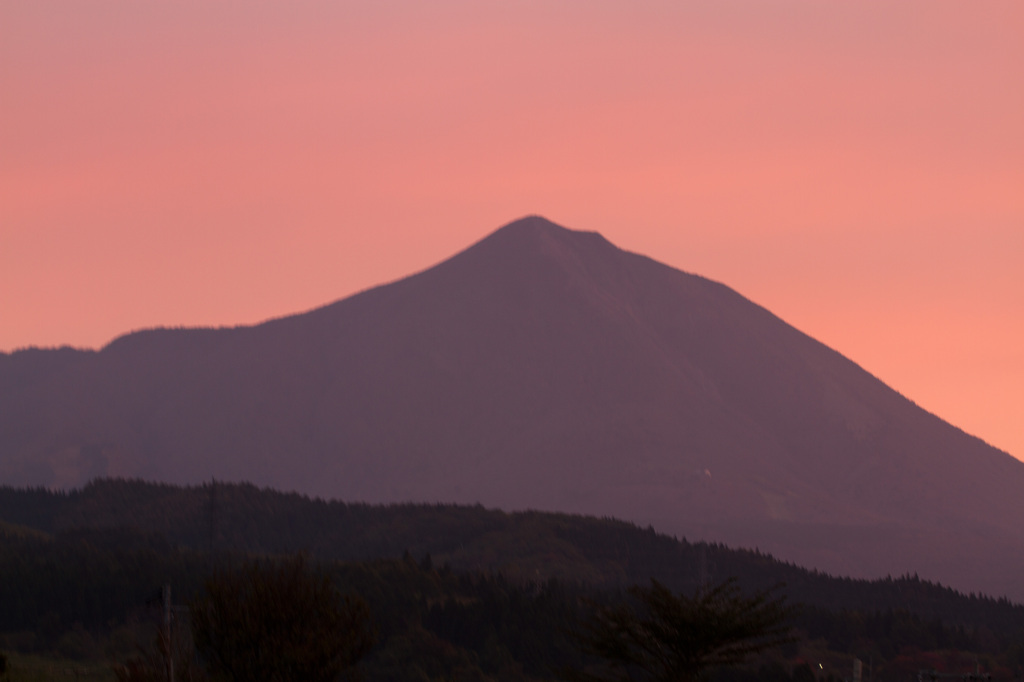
x=855 y=166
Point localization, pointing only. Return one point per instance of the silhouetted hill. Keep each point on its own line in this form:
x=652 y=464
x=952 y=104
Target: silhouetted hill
x=241 y=519
x=542 y=368
x=476 y=591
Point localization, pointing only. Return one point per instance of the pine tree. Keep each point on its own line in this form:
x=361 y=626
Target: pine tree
x=677 y=638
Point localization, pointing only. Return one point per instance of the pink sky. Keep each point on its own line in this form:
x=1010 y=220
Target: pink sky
x=855 y=166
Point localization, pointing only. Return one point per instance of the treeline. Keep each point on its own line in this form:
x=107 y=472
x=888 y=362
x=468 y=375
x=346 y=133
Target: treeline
x=241 y=518
x=74 y=598
x=455 y=591
x=59 y=594
x=71 y=598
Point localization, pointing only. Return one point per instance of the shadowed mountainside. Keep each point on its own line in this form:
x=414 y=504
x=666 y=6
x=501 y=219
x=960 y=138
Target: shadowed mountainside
x=540 y=368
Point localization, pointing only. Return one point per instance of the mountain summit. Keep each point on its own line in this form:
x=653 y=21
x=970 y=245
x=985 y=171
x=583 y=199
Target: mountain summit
x=540 y=368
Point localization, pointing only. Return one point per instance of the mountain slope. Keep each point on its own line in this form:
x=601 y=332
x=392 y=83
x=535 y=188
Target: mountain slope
x=540 y=368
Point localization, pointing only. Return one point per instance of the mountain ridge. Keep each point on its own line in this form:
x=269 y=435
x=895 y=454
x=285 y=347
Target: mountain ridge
x=540 y=368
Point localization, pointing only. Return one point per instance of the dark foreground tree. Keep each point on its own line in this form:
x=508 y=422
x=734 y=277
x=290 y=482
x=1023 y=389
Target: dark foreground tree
x=279 y=621
x=675 y=638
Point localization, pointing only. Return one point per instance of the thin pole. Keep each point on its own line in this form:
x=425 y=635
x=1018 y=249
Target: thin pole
x=167 y=629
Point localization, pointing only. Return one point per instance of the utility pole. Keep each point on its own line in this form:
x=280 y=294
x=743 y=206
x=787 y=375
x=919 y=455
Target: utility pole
x=167 y=632
x=703 y=569
x=213 y=515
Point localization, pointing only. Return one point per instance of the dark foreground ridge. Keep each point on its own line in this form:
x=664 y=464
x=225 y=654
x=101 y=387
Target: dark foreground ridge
x=541 y=368
x=449 y=588
x=524 y=546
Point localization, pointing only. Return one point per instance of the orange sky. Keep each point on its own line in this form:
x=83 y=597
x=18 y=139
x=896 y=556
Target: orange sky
x=856 y=166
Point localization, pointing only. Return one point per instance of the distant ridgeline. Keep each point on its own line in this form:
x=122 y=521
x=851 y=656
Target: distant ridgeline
x=437 y=577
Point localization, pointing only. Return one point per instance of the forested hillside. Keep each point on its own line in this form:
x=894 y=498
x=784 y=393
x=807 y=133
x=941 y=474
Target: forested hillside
x=451 y=588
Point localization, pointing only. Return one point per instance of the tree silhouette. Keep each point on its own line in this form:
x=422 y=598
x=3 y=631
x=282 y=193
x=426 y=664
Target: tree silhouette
x=278 y=621
x=675 y=638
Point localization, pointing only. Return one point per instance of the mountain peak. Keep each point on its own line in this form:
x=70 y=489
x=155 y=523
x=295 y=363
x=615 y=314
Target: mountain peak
x=532 y=221
x=532 y=228
x=534 y=237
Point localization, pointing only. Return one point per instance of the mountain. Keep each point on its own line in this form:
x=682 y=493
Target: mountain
x=541 y=368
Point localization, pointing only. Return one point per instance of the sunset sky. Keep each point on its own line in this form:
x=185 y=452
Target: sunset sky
x=855 y=166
